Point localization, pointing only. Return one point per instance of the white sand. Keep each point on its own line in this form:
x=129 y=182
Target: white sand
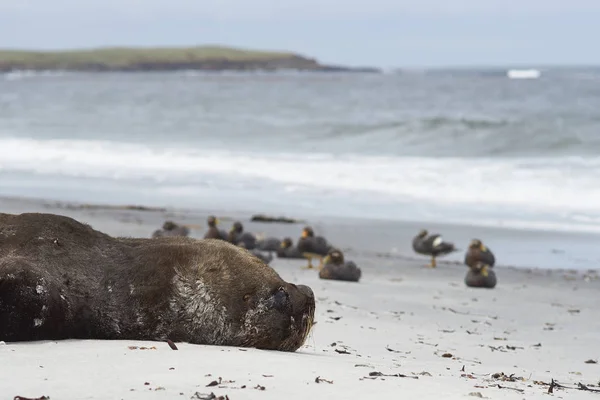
x=409 y=311
x=397 y=304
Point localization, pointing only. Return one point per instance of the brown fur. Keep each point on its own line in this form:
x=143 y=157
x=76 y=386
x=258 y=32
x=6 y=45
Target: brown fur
x=62 y=279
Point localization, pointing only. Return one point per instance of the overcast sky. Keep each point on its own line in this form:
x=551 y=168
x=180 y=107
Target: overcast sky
x=358 y=32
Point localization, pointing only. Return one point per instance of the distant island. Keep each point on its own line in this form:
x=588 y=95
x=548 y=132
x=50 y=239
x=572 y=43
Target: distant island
x=136 y=59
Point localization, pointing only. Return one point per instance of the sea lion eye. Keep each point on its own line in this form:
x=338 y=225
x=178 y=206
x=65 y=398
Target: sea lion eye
x=247 y=297
x=281 y=298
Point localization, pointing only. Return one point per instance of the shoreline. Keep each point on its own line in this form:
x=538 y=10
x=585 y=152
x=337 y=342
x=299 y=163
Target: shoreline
x=520 y=249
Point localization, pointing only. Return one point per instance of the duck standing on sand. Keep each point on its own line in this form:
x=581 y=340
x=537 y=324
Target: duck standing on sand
x=170 y=228
x=432 y=245
x=237 y=236
x=477 y=252
x=288 y=250
x=335 y=268
x=214 y=232
x=480 y=275
x=312 y=246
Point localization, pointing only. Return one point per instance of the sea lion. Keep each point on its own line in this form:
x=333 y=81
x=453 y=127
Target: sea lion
x=480 y=275
x=170 y=228
x=477 y=252
x=432 y=245
x=237 y=235
x=61 y=279
x=213 y=231
x=312 y=246
x=288 y=250
x=335 y=268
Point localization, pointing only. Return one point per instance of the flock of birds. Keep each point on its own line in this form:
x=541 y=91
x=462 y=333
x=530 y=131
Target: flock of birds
x=332 y=264
x=479 y=258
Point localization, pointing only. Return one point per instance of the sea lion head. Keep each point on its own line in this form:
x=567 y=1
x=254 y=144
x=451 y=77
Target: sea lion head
x=334 y=256
x=308 y=232
x=169 y=225
x=237 y=227
x=212 y=221
x=422 y=233
x=279 y=319
x=242 y=300
x=286 y=242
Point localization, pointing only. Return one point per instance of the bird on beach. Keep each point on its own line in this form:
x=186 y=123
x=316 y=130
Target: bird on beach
x=213 y=231
x=312 y=246
x=477 y=252
x=268 y=244
x=288 y=250
x=237 y=235
x=266 y=258
x=170 y=228
x=432 y=245
x=480 y=275
x=335 y=267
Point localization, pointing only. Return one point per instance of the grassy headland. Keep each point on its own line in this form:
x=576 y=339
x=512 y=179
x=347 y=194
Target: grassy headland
x=209 y=58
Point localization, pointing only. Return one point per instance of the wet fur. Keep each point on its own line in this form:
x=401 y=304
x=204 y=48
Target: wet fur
x=62 y=279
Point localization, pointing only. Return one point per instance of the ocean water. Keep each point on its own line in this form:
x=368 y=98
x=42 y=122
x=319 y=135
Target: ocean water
x=470 y=147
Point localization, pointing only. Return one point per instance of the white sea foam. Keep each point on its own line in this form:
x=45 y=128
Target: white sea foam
x=24 y=74
x=523 y=73
x=565 y=188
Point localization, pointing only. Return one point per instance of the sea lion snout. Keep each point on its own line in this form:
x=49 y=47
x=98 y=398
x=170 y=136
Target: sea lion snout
x=282 y=320
x=301 y=297
x=306 y=291
x=286 y=297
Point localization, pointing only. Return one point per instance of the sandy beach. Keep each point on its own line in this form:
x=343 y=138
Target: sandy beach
x=404 y=331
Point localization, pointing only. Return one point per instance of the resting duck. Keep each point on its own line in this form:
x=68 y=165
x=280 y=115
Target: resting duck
x=432 y=245
x=170 y=228
x=268 y=244
x=288 y=250
x=480 y=275
x=312 y=246
x=214 y=232
x=477 y=252
x=237 y=235
x=335 y=268
x=266 y=258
